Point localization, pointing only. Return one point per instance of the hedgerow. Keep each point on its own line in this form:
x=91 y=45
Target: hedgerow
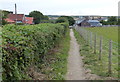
x=23 y=46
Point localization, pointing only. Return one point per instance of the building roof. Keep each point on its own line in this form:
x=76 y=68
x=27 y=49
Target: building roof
x=29 y=20
x=92 y=21
x=80 y=20
x=9 y=20
x=13 y=17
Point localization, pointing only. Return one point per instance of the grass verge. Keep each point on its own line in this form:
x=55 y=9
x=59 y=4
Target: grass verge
x=99 y=67
x=55 y=64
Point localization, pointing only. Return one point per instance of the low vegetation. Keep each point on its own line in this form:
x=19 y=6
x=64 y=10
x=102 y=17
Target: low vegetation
x=55 y=64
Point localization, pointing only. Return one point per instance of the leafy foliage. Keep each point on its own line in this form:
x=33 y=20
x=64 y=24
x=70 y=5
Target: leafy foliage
x=46 y=18
x=104 y=22
x=57 y=60
x=3 y=15
x=118 y=23
x=70 y=19
x=26 y=45
x=38 y=16
x=111 y=21
x=61 y=20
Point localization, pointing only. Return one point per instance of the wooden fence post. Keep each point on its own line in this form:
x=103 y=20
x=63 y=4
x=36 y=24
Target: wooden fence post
x=100 y=51
x=95 y=44
x=110 y=57
x=91 y=39
x=88 y=37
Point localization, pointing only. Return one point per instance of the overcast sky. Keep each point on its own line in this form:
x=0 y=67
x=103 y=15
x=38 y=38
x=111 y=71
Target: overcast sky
x=63 y=7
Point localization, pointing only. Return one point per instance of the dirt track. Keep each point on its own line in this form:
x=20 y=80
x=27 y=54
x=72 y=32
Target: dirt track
x=75 y=64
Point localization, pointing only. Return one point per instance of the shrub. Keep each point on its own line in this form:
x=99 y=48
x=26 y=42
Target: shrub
x=26 y=45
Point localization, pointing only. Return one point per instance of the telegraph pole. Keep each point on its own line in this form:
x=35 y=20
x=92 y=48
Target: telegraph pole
x=16 y=14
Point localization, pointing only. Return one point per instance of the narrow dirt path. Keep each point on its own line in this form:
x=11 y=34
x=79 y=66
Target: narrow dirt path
x=75 y=65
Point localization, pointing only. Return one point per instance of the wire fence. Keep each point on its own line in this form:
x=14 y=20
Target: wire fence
x=105 y=49
x=0 y=54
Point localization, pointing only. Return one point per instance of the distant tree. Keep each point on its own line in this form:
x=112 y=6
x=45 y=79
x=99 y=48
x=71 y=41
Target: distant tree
x=70 y=19
x=4 y=22
x=104 y=22
x=118 y=23
x=38 y=16
x=3 y=15
x=112 y=20
x=46 y=18
x=61 y=20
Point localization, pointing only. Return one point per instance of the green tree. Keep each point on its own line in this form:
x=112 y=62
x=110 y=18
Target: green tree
x=112 y=20
x=104 y=22
x=61 y=20
x=3 y=16
x=46 y=18
x=70 y=19
x=38 y=16
x=118 y=23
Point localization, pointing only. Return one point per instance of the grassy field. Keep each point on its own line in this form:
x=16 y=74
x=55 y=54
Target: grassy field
x=108 y=32
x=91 y=61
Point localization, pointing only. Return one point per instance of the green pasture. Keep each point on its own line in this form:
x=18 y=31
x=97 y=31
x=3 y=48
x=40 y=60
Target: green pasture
x=108 y=32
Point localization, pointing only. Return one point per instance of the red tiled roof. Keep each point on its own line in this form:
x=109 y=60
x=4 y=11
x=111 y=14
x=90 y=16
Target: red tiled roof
x=13 y=17
x=29 y=20
x=9 y=20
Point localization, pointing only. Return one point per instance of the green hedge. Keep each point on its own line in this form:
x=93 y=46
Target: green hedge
x=23 y=46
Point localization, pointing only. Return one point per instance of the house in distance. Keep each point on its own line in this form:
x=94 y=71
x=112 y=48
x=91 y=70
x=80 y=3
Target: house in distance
x=86 y=22
x=19 y=18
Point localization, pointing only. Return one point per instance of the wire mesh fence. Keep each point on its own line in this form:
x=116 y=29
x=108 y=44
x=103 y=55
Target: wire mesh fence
x=105 y=49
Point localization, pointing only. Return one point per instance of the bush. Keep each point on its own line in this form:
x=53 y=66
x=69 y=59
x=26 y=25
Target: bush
x=26 y=45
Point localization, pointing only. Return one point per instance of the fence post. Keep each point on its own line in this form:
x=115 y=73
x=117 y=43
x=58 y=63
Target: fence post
x=100 y=51
x=110 y=57
x=91 y=39
x=95 y=44
x=88 y=37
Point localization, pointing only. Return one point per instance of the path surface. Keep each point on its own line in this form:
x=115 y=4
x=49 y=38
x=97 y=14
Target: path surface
x=75 y=66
